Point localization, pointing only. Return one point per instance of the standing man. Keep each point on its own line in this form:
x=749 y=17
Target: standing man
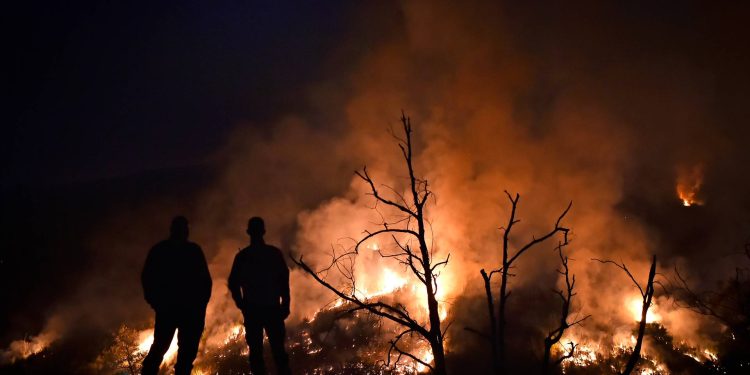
x=177 y=285
x=259 y=283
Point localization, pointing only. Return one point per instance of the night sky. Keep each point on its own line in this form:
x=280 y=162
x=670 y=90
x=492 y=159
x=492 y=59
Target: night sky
x=107 y=89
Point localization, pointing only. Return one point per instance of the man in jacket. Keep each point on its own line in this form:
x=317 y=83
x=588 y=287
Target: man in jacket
x=259 y=283
x=177 y=285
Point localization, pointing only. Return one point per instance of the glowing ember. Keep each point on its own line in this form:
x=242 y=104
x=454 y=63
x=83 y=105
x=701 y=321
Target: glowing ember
x=689 y=182
x=635 y=306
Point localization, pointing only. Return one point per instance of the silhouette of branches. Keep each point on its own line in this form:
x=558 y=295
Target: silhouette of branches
x=647 y=295
x=730 y=304
x=566 y=296
x=414 y=253
x=497 y=317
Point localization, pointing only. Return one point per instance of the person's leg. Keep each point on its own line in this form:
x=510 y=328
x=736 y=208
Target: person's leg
x=254 y=338
x=189 y=333
x=276 y=332
x=163 y=333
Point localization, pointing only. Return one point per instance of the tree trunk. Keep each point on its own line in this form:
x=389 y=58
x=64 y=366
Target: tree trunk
x=547 y=355
x=499 y=359
x=436 y=339
x=649 y=293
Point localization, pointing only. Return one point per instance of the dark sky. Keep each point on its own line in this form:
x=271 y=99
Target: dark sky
x=104 y=89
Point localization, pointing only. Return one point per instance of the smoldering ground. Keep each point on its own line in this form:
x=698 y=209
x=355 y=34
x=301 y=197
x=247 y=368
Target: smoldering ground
x=599 y=104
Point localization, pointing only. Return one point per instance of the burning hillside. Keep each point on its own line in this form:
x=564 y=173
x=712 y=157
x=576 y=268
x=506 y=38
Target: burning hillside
x=380 y=322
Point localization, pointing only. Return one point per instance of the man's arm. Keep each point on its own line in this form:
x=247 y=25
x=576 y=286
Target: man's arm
x=233 y=282
x=149 y=277
x=204 y=277
x=284 y=282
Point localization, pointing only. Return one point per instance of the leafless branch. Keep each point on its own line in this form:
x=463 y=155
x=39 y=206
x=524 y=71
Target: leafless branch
x=623 y=267
x=412 y=252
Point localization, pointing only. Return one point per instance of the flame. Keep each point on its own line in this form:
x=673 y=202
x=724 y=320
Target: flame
x=22 y=349
x=584 y=355
x=635 y=305
x=32 y=345
x=388 y=282
x=426 y=357
x=391 y=281
x=689 y=182
x=710 y=355
x=146 y=338
x=234 y=334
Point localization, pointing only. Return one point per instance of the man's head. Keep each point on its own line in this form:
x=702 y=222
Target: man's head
x=179 y=229
x=256 y=228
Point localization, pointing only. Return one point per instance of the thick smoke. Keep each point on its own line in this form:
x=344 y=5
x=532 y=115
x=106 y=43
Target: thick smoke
x=600 y=105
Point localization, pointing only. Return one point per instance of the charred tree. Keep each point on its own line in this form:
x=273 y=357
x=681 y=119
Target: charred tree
x=497 y=317
x=647 y=294
x=729 y=304
x=566 y=297
x=413 y=253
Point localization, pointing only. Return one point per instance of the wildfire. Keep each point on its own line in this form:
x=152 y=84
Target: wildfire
x=689 y=182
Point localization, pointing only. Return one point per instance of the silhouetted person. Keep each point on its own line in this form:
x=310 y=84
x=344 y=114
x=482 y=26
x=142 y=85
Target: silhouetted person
x=177 y=285
x=259 y=283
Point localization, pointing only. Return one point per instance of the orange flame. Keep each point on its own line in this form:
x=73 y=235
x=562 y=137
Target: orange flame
x=689 y=182
x=146 y=338
x=635 y=306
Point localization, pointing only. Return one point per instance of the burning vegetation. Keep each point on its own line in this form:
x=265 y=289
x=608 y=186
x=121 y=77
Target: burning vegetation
x=392 y=310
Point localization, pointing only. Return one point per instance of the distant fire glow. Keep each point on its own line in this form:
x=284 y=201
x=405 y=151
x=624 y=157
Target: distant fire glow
x=689 y=182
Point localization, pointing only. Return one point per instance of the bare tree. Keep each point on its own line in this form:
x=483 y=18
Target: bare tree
x=123 y=353
x=729 y=304
x=412 y=252
x=647 y=295
x=497 y=317
x=566 y=297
